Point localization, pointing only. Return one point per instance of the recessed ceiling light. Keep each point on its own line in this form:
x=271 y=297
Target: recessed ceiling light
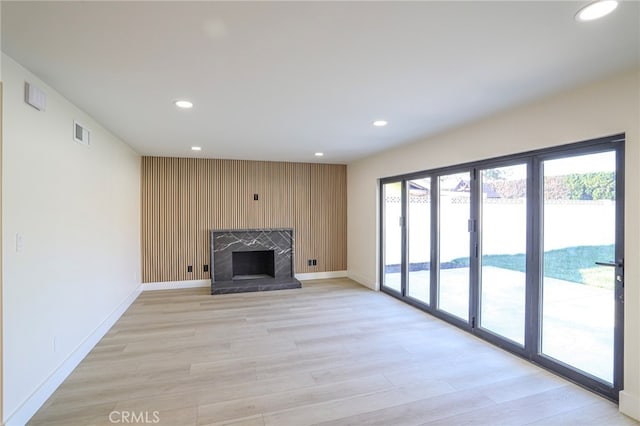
x=196 y=148
x=596 y=10
x=380 y=123
x=319 y=154
x=183 y=104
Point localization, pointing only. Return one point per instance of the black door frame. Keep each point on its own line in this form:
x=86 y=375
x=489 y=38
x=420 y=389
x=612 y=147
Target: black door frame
x=496 y=339
x=531 y=350
x=615 y=143
x=382 y=235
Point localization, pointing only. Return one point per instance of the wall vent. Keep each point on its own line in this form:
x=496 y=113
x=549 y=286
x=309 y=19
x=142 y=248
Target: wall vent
x=35 y=97
x=80 y=133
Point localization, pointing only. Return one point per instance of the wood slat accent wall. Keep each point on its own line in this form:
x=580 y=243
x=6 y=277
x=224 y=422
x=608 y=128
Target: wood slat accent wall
x=184 y=198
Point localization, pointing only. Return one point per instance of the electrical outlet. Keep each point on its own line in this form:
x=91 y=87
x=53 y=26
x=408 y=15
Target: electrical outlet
x=309 y=262
x=205 y=268
x=315 y=262
x=255 y=197
x=189 y=268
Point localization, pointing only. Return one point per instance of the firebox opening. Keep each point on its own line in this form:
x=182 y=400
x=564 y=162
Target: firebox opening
x=248 y=265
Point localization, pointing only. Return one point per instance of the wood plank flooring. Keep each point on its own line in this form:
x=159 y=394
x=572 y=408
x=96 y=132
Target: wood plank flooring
x=331 y=353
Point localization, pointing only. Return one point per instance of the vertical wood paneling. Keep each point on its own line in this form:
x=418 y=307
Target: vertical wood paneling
x=338 y=219
x=145 y=222
x=207 y=183
x=302 y=213
x=182 y=199
x=317 y=227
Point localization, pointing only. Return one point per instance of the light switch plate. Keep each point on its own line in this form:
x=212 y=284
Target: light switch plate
x=19 y=243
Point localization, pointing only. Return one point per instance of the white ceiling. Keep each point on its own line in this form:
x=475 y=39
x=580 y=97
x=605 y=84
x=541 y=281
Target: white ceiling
x=282 y=80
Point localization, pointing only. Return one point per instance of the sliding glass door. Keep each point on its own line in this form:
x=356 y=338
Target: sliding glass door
x=418 y=194
x=502 y=251
x=392 y=236
x=454 y=192
x=581 y=264
x=525 y=251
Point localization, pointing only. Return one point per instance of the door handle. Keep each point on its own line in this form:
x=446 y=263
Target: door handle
x=619 y=276
x=612 y=264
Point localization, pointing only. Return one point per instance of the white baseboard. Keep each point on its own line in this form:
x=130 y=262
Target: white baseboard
x=629 y=405
x=22 y=415
x=174 y=285
x=321 y=275
x=362 y=281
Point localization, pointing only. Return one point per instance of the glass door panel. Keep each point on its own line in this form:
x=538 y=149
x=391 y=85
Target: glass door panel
x=392 y=236
x=502 y=251
x=579 y=230
x=419 y=238
x=454 y=195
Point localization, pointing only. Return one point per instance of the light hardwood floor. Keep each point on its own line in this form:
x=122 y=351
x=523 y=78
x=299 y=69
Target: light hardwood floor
x=331 y=353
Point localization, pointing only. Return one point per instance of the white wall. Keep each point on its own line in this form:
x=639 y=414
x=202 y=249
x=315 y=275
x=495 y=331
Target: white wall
x=604 y=108
x=78 y=211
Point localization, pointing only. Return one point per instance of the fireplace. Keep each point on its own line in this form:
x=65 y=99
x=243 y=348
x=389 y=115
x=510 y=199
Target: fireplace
x=245 y=260
x=251 y=265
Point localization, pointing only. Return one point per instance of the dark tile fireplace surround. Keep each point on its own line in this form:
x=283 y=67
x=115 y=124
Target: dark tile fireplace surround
x=252 y=260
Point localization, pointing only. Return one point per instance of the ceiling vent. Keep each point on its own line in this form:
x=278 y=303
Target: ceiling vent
x=35 y=96
x=80 y=133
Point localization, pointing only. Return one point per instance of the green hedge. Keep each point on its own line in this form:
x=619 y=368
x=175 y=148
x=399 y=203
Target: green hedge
x=591 y=186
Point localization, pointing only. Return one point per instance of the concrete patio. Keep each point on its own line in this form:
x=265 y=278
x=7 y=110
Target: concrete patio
x=577 y=320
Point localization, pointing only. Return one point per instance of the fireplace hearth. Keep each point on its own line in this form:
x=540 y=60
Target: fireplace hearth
x=246 y=260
